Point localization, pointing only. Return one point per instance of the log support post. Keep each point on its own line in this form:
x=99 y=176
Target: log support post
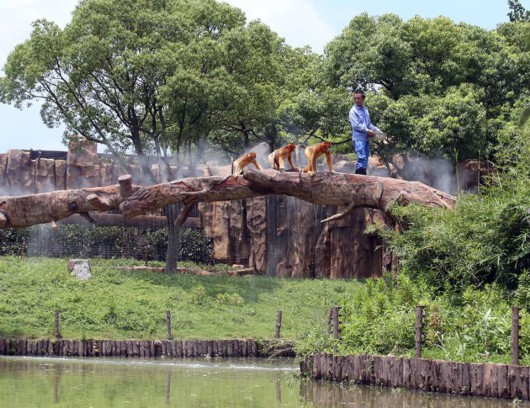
x=125 y=183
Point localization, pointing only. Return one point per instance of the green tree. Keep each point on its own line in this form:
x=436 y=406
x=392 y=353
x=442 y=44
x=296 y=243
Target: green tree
x=255 y=62
x=145 y=76
x=311 y=109
x=517 y=11
x=438 y=87
x=288 y=99
x=452 y=126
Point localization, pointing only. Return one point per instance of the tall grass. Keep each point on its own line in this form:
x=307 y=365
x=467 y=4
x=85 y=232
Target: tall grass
x=379 y=318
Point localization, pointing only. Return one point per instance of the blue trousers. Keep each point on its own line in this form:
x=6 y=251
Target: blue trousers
x=362 y=151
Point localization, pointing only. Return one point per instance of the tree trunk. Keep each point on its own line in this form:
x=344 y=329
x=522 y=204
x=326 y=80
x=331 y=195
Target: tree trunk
x=344 y=190
x=173 y=241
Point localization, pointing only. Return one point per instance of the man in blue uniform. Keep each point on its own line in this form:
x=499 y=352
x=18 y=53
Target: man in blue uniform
x=362 y=131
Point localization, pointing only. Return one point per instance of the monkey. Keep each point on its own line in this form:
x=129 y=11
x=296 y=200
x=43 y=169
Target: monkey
x=277 y=157
x=313 y=153
x=244 y=161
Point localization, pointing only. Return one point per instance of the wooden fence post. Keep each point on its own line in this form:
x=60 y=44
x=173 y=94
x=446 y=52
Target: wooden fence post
x=336 y=329
x=334 y=323
x=278 y=323
x=515 y=335
x=330 y=320
x=419 y=325
x=57 y=334
x=168 y=323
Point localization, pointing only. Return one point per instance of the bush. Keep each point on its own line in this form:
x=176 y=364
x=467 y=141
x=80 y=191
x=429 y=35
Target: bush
x=103 y=242
x=14 y=241
x=485 y=239
x=379 y=318
x=195 y=246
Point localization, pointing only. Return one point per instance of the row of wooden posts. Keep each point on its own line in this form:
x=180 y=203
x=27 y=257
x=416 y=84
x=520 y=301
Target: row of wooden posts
x=334 y=328
x=57 y=332
x=232 y=348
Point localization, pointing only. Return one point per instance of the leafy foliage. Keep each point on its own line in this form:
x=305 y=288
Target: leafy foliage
x=104 y=242
x=517 y=11
x=379 y=318
x=485 y=239
x=438 y=87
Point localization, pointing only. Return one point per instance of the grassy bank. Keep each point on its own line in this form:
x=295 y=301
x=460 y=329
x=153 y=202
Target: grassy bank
x=117 y=304
x=377 y=317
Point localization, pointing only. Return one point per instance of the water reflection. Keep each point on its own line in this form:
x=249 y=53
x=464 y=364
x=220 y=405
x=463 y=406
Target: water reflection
x=328 y=395
x=42 y=382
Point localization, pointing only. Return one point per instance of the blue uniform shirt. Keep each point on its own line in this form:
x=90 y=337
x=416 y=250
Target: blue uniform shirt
x=360 y=123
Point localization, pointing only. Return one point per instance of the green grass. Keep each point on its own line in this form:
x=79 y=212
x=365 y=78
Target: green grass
x=378 y=316
x=117 y=304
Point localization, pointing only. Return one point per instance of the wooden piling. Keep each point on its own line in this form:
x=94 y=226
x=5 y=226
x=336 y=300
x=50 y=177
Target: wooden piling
x=168 y=323
x=515 y=336
x=419 y=324
x=57 y=334
x=278 y=324
x=335 y=317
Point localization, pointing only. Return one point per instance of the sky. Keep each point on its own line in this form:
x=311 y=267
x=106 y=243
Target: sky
x=299 y=22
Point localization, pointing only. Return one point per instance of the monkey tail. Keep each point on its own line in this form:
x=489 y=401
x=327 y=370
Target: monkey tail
x=232 y=167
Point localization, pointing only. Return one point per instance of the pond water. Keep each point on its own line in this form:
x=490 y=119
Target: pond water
x=104 y=383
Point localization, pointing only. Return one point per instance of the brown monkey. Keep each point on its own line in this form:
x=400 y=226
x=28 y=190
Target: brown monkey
x=244 y=161
x=313 y=153
x=277 y=157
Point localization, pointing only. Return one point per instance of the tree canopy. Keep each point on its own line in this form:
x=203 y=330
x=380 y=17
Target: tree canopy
x=440 y=88
x=151 y=77
x=145 y=76
x=517 y=11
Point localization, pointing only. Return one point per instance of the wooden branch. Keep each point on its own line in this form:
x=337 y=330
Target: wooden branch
x=348 y=190
x=200 y=189
x=348 y=210
x=183 y=216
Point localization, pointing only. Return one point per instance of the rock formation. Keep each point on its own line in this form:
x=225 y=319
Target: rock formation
x=254 y=224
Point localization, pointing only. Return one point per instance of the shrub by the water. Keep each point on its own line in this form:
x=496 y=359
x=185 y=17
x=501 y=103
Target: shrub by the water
x=379 y=318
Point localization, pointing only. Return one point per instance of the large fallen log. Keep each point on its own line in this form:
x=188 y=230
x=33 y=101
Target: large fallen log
x=339 y=189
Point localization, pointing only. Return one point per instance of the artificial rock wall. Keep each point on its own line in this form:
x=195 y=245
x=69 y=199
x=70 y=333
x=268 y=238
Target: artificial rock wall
x=30 y=172
x=283 y=236
x=275 y=235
